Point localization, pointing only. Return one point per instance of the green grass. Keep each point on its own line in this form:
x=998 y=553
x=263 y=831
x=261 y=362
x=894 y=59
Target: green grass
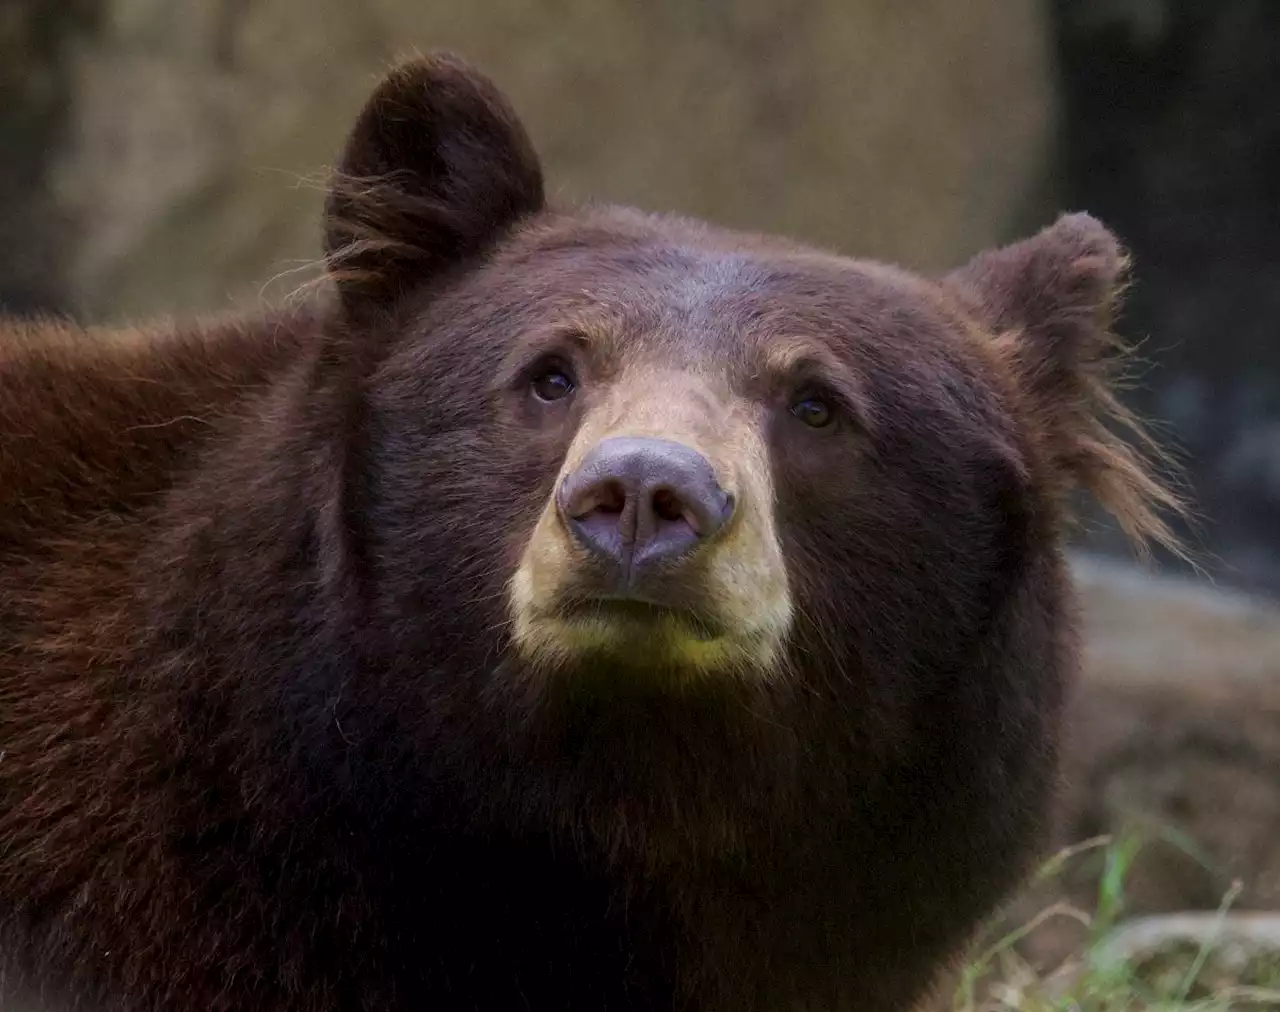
x=1178 y=977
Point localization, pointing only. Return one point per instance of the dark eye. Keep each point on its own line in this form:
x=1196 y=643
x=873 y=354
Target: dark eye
x=814 y=412
x=553 y=383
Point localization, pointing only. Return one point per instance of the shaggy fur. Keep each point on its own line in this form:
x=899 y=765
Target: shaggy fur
x=265 y=743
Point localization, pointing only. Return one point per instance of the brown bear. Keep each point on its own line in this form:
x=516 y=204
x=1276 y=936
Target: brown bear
x=566 y=609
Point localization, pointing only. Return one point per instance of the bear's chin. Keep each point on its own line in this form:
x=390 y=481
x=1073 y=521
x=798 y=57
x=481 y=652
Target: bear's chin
x=630 y=646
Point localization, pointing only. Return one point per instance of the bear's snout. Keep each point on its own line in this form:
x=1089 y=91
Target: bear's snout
x=643 y=504
x=657 y=550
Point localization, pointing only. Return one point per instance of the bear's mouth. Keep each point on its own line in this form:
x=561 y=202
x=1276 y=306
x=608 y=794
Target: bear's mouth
x=640 y=615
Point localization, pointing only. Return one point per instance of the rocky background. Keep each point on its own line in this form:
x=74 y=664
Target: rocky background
x=184 y=128
x=1171 y=133
x=165 y=156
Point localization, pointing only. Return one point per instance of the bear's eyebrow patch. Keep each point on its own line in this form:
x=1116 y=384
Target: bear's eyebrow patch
x=572 y=340
x=799 y=361
x=787 y=356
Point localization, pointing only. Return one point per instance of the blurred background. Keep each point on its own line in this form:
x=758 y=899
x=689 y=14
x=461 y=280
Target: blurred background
x=162 y=157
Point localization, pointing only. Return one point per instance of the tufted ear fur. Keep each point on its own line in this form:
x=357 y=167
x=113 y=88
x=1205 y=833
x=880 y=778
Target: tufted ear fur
x=436 y=169
x=1049 y=301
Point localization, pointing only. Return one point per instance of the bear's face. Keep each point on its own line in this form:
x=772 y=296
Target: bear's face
x=708 y=457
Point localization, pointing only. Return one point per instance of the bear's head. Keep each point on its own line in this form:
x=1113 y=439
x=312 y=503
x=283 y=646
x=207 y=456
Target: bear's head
x=681 y=514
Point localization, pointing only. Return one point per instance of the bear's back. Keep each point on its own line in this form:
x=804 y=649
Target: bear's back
x=97 y=422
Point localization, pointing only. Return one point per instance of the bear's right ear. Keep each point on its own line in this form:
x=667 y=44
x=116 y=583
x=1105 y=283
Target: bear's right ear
x=437 y=168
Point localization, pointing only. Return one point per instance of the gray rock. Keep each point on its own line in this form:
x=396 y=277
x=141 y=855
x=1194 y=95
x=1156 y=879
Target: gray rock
x=195 y=125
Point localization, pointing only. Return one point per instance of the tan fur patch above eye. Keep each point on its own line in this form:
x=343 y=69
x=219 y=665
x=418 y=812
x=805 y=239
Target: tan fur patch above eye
x=785 y=356
x=741 y=576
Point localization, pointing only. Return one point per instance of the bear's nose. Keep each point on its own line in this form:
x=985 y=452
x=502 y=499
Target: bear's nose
x=639 y=502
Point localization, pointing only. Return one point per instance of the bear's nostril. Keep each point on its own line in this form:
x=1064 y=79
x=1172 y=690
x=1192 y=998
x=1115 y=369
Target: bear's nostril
x=608 y=497
x=667 y=506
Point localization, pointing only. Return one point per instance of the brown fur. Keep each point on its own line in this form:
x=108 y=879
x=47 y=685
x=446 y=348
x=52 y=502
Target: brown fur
x=98 y=418
x=271 y=738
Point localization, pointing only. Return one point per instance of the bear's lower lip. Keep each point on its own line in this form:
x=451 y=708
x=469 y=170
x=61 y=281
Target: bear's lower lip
x=633 y=612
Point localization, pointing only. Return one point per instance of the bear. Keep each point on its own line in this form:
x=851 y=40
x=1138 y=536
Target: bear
x=561 y=607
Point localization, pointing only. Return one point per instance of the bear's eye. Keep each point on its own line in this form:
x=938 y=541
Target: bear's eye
x=552 y=383
x=814 y=412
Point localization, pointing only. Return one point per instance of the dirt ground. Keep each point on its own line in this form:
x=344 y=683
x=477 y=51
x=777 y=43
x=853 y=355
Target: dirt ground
x=1174 y=735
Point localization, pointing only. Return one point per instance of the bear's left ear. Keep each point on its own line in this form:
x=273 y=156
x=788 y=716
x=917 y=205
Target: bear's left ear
x=436 y=169
x=1049 y=302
